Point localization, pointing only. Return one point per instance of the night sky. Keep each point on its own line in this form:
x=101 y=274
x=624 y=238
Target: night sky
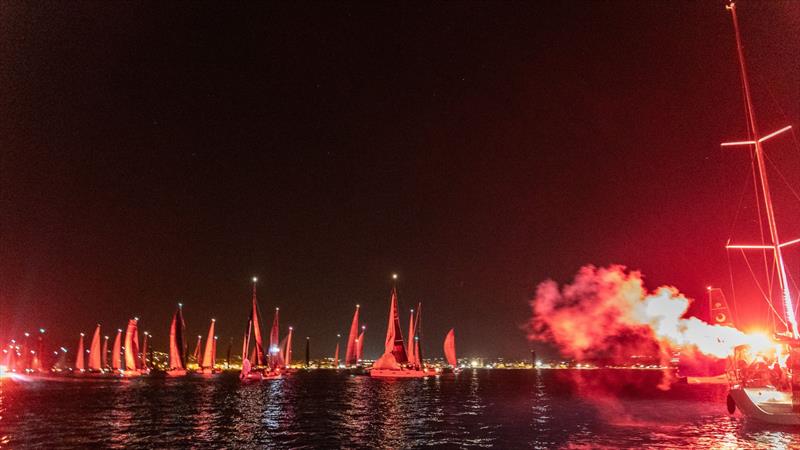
x=152 y=153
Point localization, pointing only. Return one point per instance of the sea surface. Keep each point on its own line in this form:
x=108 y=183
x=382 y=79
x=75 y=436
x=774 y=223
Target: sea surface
x=325 y=409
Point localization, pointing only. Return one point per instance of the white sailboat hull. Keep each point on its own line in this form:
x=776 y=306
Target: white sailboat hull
x=765 y=404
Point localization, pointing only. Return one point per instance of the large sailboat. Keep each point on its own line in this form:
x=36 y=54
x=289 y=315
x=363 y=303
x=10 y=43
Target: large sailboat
x=255 y=364
x=774 y=399
x=394 y=362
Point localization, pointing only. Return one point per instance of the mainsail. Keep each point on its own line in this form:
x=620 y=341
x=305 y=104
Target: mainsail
x=450 y=348
x=95 y=360
x=132 y=345
x=351 y=354
x=208 y=354
x=176 y=340
x=116 y=358
x=79 y=355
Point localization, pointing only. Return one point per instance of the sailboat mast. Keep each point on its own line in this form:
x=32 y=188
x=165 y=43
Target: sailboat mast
x=791 y=321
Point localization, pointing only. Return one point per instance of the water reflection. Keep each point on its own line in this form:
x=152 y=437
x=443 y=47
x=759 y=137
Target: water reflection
x=505 y=409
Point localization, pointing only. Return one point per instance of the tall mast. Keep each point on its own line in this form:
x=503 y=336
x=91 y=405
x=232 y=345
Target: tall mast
x=791 y=321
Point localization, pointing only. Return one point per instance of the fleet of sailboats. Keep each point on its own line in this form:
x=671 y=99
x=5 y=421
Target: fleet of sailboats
x=259 y=362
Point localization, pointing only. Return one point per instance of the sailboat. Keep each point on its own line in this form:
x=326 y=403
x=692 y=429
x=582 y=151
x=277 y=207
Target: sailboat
x=177 y=361
x=394 y=361
x=132 y=364
x=450 y=350
x=756 y=399
x=255 y=365
x=210 y=352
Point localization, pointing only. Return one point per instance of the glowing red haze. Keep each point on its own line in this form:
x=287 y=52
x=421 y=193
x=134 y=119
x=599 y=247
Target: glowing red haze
x=607 y=313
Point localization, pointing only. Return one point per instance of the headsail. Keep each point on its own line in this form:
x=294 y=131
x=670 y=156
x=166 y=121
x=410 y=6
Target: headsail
x=351 y=354
x=95 y=360
x=450 y=348
x=176 y=340
x=78 y=355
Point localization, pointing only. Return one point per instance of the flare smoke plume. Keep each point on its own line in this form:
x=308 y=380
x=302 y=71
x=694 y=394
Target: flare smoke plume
x=607 y=313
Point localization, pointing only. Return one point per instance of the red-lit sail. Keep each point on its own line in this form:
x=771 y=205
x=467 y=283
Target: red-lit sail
x=95 y=360
x=336 y=356
x=450 y=348
x=259 y=356
x=78 y=356
x=104 y=353
x=116 y=357
x=132 y=345
x=208 y=353
x=288 y=351
x=361 y=345
x=394 y=350
x=275 y=359
x=351 y=354
x=411 y=358
x=176 y=341
x=198 y=357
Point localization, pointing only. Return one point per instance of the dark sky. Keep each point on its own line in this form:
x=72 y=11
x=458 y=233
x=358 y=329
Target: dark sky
x=152 y=153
